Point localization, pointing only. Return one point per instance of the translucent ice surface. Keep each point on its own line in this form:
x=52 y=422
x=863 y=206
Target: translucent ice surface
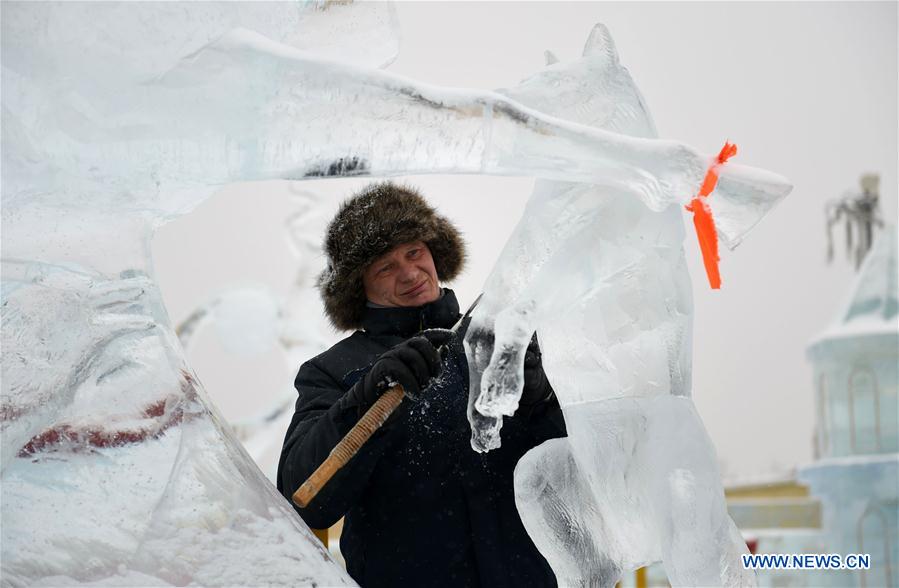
x=230 y=104
x=119 y=116
x=602 y=278
x=116 y=467
x=116 y=470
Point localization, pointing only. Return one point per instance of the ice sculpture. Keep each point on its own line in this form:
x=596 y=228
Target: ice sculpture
x=117 y=117
x=127 y=474
x=115 y=468
x=159 y=134
x=602 y=279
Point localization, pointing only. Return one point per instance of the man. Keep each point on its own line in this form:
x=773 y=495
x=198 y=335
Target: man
x=422 y=508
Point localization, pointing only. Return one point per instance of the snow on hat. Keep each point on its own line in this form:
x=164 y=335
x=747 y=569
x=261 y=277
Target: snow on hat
x=369 y=224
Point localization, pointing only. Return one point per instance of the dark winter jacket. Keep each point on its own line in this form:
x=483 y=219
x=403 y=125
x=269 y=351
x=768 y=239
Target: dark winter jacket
x=422 y=508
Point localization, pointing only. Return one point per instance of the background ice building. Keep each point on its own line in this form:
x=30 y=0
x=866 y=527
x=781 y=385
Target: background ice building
x=856 y=475
x=845 y=501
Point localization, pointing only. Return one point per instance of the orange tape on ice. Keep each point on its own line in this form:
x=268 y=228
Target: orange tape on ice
x=703 y=220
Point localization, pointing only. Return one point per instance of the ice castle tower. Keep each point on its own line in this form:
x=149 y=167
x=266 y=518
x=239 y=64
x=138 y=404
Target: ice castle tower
x=856 y=475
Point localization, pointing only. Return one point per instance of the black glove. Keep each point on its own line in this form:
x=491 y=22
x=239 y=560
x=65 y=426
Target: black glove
x=536 y=385
x=444 y=340
x=411 y=364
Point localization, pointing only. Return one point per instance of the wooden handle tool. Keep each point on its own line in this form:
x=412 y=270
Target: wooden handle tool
x=370 y=422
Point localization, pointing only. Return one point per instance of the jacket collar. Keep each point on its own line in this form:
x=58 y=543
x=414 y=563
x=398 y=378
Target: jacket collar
x=408 y=320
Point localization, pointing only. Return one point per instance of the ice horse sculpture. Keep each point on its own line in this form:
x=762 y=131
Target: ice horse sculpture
x=120 y=116
x=603 y=280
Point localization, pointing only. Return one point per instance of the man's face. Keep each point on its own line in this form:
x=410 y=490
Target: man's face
x=404 y=276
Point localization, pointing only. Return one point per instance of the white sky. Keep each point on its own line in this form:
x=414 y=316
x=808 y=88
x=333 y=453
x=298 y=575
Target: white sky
x=808 y=90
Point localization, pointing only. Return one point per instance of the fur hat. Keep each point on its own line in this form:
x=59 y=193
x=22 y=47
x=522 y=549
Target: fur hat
x=368 y=225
